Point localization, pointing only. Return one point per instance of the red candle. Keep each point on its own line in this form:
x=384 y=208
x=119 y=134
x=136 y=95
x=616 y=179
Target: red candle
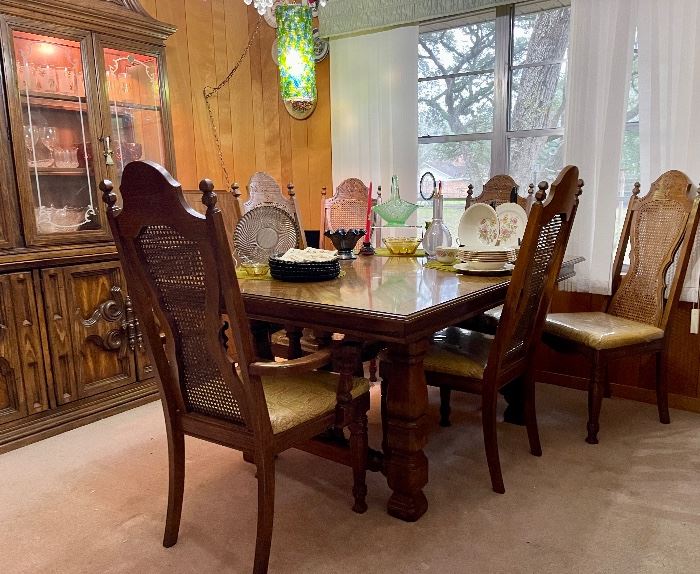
x=368 y=222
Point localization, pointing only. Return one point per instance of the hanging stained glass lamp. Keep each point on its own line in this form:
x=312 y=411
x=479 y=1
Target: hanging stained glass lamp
x=295 y=51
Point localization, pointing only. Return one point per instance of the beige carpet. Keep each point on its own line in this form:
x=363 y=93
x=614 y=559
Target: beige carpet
x=93 y=500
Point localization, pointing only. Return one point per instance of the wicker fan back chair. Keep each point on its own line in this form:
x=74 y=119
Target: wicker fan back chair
x=500 y=189
x=659 y=229
x=181 y=277
x=470 y=361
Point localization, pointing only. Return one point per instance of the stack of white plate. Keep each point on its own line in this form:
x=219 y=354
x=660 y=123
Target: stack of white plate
x=487 y=257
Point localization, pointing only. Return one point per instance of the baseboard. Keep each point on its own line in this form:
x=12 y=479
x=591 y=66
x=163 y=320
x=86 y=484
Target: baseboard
x=639 y=394
x=68 y=417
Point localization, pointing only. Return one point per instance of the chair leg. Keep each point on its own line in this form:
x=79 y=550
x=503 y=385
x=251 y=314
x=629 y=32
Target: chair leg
x=266 y=511
x=383 y=386
x=533 y=433
x=662 y=390
x=373 y=370
x=488 y=419
x=445 y=410
x=176 y=486
x=358 y=448
x=596 y=389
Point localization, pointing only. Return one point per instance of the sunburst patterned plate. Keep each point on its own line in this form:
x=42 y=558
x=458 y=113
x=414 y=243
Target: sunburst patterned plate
x=263 y=232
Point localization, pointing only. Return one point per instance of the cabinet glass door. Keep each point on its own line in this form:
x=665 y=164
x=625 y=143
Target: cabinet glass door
x=52 y=131
x=132 y=83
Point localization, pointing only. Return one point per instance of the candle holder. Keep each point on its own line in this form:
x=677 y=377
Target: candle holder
x=344 y=240
x=366 y=248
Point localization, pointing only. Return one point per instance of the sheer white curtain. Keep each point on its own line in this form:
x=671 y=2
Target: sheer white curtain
x=374 y=108
x=669 y=99
x=600 y=61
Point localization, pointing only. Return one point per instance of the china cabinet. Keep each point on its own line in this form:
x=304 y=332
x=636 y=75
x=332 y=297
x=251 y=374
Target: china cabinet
x=83 y=92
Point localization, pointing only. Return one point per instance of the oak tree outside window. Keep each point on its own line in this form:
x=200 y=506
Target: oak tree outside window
x=491 y=99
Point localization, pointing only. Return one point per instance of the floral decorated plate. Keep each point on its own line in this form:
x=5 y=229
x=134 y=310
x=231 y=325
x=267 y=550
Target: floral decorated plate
x=478 y=225
x=468 y=269
x=512 y=221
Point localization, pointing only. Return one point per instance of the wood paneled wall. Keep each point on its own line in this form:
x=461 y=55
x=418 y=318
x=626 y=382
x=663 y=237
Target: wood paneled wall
x=257 y=134
x=634 y=377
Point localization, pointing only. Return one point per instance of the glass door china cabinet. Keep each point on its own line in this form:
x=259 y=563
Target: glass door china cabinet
x=84 y=92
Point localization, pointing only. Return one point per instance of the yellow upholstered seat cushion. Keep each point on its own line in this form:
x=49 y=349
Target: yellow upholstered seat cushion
x=600 y=330
x=296 y=399
x=458 y=352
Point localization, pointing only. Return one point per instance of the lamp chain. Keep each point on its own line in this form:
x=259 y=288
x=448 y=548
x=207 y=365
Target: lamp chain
x=209 y=92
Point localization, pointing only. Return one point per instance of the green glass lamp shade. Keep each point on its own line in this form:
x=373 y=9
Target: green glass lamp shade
x=295 y=51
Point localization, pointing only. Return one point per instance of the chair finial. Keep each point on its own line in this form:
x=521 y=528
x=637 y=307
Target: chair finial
x=542 y=188
x=531 y=189
x=236 y=190
x=290 y=189
x=470 y=190
x=206 y=186
x=579 y=185
x=636 y=189
x=108 y=196
x=324 y=191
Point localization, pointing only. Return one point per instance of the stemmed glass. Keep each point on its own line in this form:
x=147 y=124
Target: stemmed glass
x=49 y=137
x=31 y=136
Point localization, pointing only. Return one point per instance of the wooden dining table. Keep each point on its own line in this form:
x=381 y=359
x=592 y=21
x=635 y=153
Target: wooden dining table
x=399 y=302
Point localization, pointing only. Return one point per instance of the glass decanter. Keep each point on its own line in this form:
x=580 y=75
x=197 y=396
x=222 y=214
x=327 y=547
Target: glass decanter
x=437 y=235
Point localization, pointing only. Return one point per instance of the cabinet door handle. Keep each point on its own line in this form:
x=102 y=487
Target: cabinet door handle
x=108 y=152
x=3 y=326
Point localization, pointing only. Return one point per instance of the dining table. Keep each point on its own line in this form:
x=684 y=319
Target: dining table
x=398 y=302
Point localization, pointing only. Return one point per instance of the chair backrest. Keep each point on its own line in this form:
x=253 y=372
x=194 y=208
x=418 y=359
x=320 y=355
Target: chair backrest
x=347 y=209
x=264 y=193
x=497 y=190
x=182 y=279
x=535 y=274
x=660 y=228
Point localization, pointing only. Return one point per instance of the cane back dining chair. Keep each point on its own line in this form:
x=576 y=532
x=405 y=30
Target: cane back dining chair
x=469 y=361
x=180 y=273
x=660 y=229
x=347 y=209
x=500 y=189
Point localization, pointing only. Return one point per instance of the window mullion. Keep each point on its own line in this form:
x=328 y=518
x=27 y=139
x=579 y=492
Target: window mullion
x=499 y=149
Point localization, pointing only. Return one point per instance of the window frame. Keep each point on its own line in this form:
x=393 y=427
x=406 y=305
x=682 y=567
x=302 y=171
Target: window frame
x=503 y=70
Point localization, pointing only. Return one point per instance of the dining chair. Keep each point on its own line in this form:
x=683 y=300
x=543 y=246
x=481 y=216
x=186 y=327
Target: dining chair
x=181 y=277
x=659 y=229
x=347 y=209
x=500 y=189
x=469 y=361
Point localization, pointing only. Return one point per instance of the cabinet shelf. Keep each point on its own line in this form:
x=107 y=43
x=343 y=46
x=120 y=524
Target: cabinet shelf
x=73 y=103
x=60 y=171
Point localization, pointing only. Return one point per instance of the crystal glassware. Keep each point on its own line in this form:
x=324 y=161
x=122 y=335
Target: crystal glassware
x=395 y=211
x=438 y=235
x=49 y=137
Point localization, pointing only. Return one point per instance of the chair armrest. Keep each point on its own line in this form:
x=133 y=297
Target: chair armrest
x=292 y=367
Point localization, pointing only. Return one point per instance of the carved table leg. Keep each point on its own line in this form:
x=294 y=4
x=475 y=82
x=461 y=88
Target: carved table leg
x=406 y=403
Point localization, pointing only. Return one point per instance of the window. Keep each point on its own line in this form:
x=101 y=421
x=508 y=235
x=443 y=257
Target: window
x=491 y=99
x=629 y=164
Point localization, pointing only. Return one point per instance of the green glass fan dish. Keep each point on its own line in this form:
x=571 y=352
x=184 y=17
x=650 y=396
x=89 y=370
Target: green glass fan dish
x=395 y=211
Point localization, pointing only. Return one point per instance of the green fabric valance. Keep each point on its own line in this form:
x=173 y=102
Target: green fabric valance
x=341 y=17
